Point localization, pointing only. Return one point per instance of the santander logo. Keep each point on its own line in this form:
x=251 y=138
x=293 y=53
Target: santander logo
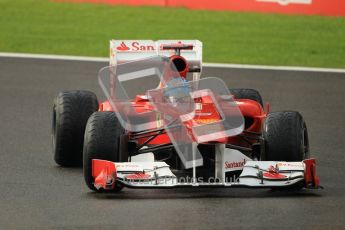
x=238 y=164
x=135 y=46
x=122 y=47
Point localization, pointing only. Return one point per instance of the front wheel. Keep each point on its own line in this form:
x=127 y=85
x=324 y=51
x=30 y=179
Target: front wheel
x=286 y=137
x=102 y=141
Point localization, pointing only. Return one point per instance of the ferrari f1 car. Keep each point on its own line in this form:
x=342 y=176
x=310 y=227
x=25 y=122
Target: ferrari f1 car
x=162 y=126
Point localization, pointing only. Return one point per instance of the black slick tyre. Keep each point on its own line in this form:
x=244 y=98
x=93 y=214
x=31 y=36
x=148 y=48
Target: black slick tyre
x=71 y=111
x=286 y=137
x=102 y=141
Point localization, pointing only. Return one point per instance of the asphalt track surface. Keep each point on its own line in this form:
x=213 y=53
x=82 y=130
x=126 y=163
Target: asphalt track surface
x=37 y=194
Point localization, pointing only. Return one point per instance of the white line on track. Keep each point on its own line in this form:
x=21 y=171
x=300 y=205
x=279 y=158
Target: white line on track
x=213 y=65
x=54 y=57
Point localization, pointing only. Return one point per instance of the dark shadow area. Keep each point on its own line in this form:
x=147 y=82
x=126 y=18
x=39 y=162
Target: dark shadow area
x=199 y=193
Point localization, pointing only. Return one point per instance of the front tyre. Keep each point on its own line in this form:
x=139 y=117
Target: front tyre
x=102 y=141
x=286 y=137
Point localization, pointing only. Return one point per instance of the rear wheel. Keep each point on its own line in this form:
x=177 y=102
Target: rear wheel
x=71 y=110
x=286 y=137
x=251 y=94
x=102 y=141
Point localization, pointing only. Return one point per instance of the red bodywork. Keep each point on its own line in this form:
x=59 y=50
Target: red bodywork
x=310 y=177
x=104 y=173
x=252 y=111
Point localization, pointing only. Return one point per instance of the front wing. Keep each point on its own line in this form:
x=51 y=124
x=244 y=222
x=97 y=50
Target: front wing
x=255 y=174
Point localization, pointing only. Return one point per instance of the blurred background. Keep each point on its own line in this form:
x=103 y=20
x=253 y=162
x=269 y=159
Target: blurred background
x=269 y=32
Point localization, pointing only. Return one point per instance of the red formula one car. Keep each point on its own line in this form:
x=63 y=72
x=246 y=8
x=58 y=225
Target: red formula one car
x=162 y=126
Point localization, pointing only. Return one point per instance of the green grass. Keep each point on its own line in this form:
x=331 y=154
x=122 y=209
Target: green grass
x=41 y=26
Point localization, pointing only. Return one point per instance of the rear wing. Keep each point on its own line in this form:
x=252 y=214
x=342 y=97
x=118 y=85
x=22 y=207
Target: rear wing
x=122 y=51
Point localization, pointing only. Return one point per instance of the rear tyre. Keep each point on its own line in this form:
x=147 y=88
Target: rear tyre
x=71 y=110
x=251 y=94
x=102 y=141
x=286 y=137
